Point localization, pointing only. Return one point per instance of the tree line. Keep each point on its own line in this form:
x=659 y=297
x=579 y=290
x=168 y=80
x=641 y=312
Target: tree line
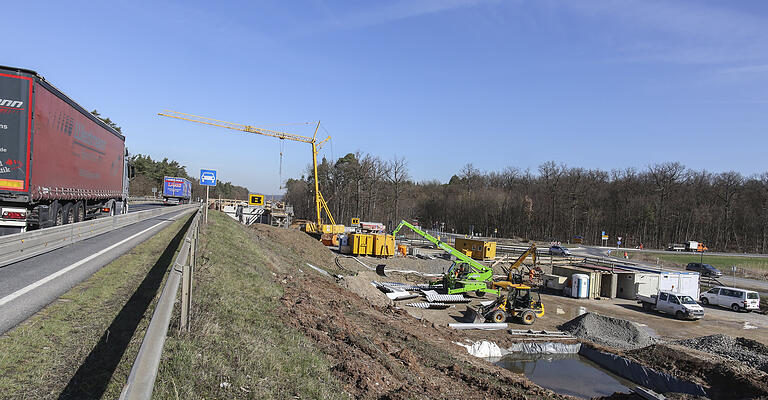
x=150 y=173
x=663 y=203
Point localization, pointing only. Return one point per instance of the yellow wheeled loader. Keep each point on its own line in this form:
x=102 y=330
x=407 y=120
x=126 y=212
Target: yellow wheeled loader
x=518 y=301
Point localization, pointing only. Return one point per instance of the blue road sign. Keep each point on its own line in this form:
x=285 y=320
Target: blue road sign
x=208 y=177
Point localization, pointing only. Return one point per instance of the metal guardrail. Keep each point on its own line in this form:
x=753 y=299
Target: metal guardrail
x=141 y=381
x=20 y=246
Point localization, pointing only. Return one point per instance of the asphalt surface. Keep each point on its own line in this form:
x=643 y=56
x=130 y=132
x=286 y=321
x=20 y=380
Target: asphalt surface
x=29 y=285
x=143 y=206
x=745 y=283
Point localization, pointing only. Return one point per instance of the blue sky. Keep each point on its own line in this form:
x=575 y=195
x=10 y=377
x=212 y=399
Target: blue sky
x=594 y=84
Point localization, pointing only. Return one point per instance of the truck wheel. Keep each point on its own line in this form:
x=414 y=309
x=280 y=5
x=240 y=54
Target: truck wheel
x=58 y=216
x=679 y=315
x=79 y=211
x=68 y=214
x=735 y=307
x=528 y=317
x=479 y=293
x=647 y=306
x=704 y=301
x=498 y=316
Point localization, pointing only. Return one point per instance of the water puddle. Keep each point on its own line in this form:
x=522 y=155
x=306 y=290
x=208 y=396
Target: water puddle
x=569 y=374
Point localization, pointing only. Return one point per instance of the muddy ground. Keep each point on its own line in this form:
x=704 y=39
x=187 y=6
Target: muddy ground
x=377 y=350
x=383 y=349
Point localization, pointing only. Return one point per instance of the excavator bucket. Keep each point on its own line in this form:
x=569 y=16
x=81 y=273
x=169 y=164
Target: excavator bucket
x=474 y=315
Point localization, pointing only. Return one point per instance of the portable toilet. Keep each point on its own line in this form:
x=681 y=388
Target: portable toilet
x=580 y=286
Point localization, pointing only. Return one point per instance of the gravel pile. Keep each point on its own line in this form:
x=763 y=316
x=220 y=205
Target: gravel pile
x=608 y=331
x=750 y=352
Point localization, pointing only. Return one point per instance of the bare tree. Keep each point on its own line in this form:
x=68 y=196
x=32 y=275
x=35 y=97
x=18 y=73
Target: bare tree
x=397 y=175
x=665 y=176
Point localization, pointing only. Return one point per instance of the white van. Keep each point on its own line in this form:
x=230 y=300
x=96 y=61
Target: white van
x=734 y=298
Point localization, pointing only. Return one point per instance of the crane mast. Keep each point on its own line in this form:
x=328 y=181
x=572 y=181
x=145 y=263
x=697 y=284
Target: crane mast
x=320 y=203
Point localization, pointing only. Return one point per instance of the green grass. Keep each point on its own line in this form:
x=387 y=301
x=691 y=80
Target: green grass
x=71 y=336
x=238 y=347
x=723 y=263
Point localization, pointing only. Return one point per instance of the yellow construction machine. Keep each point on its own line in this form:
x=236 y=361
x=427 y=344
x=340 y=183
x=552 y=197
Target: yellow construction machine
x=518 y=272
x=520 y=302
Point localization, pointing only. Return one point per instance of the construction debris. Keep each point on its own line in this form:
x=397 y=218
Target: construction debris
x=432 y=296
x=401 y=295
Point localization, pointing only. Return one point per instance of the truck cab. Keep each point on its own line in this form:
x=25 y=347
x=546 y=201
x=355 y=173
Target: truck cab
x=680 y=305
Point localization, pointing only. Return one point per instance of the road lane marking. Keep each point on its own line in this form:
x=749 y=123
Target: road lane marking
x=64 y=270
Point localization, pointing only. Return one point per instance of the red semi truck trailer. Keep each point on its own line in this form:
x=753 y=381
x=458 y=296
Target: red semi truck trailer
x=59 y=164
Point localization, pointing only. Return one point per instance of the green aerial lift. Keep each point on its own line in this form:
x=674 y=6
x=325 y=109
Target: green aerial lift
x=465 y=274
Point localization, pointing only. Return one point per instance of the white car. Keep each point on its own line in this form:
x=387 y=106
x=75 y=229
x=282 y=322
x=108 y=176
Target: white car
x=680 y=305
x=734 y=298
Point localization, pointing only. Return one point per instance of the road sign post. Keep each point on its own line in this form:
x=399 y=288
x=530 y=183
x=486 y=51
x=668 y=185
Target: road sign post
x=207 y=179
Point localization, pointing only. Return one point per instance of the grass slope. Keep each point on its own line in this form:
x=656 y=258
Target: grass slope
x=238 y=347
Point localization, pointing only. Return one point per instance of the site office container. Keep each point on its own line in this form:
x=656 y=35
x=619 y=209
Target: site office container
x=176 y=190
x=594 y=278
x=58 y=162
x=477 y=249
x=650 y=283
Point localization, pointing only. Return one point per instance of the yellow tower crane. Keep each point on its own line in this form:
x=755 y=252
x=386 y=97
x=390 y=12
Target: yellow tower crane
x=314 y=228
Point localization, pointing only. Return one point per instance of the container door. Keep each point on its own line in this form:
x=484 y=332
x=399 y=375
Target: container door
x=15 y=131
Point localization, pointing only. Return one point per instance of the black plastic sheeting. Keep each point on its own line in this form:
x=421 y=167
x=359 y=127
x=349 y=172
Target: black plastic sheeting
x=657 y=381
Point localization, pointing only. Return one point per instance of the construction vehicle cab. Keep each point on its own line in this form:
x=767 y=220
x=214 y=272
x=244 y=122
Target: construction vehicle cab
x=520 y=302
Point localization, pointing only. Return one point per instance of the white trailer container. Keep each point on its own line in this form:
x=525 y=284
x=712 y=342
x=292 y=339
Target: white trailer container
x=632 y=285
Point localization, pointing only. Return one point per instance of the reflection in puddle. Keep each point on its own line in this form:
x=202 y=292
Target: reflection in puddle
x=566 y=374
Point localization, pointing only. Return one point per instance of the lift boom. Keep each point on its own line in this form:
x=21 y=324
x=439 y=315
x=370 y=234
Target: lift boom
x=466 y=274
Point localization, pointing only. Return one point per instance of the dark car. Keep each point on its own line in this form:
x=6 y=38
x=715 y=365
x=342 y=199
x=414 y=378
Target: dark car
x=559 y=251
x=704 y=269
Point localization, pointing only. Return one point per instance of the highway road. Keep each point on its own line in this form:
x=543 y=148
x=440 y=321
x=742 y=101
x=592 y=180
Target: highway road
x=752 y=284
x=143 y=206
x=29 y=285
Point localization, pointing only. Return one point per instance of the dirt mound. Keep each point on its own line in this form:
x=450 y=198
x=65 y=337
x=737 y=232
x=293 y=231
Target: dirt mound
x=748 y=351
x=306 y=247
x=723 y=379
x=361 y=284
x=608 y=331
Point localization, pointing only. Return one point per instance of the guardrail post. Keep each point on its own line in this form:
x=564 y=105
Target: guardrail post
x=186 y=288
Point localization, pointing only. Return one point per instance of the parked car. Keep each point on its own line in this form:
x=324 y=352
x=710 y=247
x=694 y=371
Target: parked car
x=559 y=251
x=734 y=298
x=704 y=269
